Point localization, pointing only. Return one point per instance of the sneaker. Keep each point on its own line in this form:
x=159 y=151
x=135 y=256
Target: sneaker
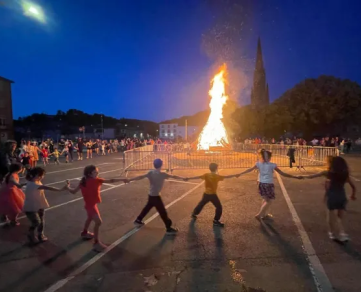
x=268 y=217
x=171 y=231
x=99 y=247
x=343 y=237
x=14 y=223
x=42 y=238
x=139 y=222
x=32 y=239
x=331 y=236
x=194 y=216
x=87 y=235
x=218 y=223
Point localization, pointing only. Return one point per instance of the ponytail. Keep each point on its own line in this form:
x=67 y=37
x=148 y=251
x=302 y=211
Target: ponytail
x=266 y=155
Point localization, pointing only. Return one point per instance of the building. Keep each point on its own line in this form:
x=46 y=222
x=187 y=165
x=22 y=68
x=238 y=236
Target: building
x=174 y=132
x=259 y=93
x=6 y=110
x=168 y=131
x=192 y=132
x=125 y=131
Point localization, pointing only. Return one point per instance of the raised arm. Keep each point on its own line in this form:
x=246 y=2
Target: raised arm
x=320 y=174
x=138 y=177
x=353 y=187
x=246 y=171
x=286 y=174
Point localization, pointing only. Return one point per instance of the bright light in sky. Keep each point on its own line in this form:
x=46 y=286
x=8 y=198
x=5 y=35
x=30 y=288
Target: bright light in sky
x=33 y=10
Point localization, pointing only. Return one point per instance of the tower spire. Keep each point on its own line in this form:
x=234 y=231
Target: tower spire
x=260 y=95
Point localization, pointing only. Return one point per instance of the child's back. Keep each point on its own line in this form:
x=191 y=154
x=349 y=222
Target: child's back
x=211 y=180
x=156 y=180
x=266 y=169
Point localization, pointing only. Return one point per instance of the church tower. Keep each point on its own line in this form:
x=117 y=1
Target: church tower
x=259 y=94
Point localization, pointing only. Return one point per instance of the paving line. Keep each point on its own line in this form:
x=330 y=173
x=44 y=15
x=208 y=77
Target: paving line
x=78 y=271
x=57 y=171
x=319 y=275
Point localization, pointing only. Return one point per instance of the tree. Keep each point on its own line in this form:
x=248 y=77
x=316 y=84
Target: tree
x=321 y=105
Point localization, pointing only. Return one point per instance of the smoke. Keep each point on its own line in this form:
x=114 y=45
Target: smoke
x=225 y=41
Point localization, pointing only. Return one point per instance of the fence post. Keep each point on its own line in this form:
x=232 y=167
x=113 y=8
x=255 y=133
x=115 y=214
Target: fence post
x=170 y=162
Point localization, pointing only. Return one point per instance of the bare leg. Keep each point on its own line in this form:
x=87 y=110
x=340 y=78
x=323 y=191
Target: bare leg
x=264 y=207
x=339 y=221
x=331 y=221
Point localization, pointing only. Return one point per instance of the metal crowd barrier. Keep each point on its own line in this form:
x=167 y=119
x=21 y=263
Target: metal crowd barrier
x=177 y=156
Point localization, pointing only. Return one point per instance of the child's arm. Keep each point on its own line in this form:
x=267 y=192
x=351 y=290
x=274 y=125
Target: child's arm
x=176 y=177
x=287 y=175
x=114 y=180
x=246 y=171
x=138 y=177
x=47 y=188
x=320 y=174
x=75 y=190
x=194 y=177
x=353 y=196
x=16 y=183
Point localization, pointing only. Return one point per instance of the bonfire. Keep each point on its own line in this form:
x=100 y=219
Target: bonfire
x=214 y=134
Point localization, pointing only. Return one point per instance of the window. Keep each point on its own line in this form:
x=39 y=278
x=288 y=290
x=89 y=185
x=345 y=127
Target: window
x=2 y=122
x=162 y=126
x=174 y=126
x=166 y=134
x=163 y=131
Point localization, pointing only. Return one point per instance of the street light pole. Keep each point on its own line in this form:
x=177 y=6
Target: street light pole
x=101 y=117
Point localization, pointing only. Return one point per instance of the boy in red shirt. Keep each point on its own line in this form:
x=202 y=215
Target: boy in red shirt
x=90 y=186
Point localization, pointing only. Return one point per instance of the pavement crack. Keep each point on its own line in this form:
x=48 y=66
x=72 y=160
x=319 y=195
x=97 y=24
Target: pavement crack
x=177 y=278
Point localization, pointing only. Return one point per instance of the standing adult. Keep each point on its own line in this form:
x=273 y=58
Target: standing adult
x=80 y=149
x=71 y=149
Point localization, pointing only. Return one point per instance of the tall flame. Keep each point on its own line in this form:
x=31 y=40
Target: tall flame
x=214 y=133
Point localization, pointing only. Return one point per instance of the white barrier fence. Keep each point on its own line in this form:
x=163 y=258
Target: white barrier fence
x=180 y=156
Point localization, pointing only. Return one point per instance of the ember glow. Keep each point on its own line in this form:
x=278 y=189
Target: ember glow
x=214 y=133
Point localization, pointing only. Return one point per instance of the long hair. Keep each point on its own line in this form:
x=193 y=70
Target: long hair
x=86 y=174
x=338 y=169
x=15 y=167
x=36 y=171
x=266 y=155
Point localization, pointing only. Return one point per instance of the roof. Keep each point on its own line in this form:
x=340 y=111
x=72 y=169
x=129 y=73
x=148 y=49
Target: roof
x=8 y=80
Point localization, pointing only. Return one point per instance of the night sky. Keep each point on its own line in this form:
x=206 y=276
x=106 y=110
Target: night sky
x=144 y=59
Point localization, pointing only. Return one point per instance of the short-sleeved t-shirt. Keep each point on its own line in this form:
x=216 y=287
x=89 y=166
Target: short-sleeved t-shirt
x=265 y=174
x=156 y=180
x=34 y=198
x=211 y=182
x=91 y=191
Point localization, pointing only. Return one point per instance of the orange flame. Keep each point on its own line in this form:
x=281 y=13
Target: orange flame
x=214 y=133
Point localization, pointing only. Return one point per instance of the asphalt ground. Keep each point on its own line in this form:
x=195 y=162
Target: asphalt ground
x=291 y=253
